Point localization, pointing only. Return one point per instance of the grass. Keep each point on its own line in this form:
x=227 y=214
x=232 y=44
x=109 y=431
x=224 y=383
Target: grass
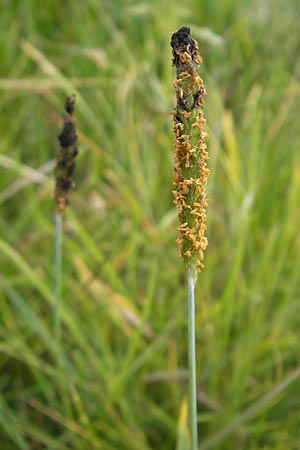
x=124 y=383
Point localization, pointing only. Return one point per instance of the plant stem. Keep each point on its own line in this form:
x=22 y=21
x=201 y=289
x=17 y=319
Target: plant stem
x=192 y=359
x=58 y=279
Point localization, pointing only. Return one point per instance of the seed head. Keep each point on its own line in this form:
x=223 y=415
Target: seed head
x=65 y=160
x=190 y=170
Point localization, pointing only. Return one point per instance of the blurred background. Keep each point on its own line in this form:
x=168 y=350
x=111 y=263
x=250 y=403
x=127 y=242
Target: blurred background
x=123 y=381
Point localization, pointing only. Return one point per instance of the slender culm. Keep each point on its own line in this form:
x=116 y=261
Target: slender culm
x=190 y=179
x=190 y=150
x=66 y=156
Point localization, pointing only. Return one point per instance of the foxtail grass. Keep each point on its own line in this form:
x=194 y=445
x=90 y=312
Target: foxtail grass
x=64 y=172
x=190 y=179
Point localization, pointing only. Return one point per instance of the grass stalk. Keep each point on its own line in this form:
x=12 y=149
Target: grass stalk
x=58 y=278
x=192 y=360
x=190 y=179
x=64 y=171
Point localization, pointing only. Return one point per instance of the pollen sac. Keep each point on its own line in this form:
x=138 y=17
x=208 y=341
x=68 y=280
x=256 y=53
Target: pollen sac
x=190 y=170
x=65 y=159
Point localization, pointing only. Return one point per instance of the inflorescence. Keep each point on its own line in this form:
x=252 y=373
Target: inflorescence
x=65 y=166
x=190 y=171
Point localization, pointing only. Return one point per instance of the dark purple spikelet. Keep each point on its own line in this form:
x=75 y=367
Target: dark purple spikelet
x=65 y=160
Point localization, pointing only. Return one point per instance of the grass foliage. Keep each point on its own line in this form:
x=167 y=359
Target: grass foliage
x=122 y=380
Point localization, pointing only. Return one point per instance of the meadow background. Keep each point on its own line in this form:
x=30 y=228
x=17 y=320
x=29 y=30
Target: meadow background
x=123 y=381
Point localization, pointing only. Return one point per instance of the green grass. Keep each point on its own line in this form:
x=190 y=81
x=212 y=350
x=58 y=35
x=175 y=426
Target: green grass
x=124 y=379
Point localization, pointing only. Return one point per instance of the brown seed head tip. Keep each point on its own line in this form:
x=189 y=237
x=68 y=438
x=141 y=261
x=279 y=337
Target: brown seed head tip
x=182 y=42
x=68 y=136
x=181 y=38
x=70 y=104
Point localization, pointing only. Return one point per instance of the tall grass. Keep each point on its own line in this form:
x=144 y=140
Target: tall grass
x=123 y=317
x=190 y=185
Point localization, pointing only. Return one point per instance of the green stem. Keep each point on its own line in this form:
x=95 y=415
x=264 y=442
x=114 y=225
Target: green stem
x=58 y=279
x=57 y=310
x=192 y=359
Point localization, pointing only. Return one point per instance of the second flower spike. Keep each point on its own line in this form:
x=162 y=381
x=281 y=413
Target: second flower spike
x=65 y=166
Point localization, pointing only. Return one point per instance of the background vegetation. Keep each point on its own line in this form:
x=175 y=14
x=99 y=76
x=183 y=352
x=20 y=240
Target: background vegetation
x=123 y=382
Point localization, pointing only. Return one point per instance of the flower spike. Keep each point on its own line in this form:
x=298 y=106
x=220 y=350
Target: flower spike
x=190 y=171
x=65 y=164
